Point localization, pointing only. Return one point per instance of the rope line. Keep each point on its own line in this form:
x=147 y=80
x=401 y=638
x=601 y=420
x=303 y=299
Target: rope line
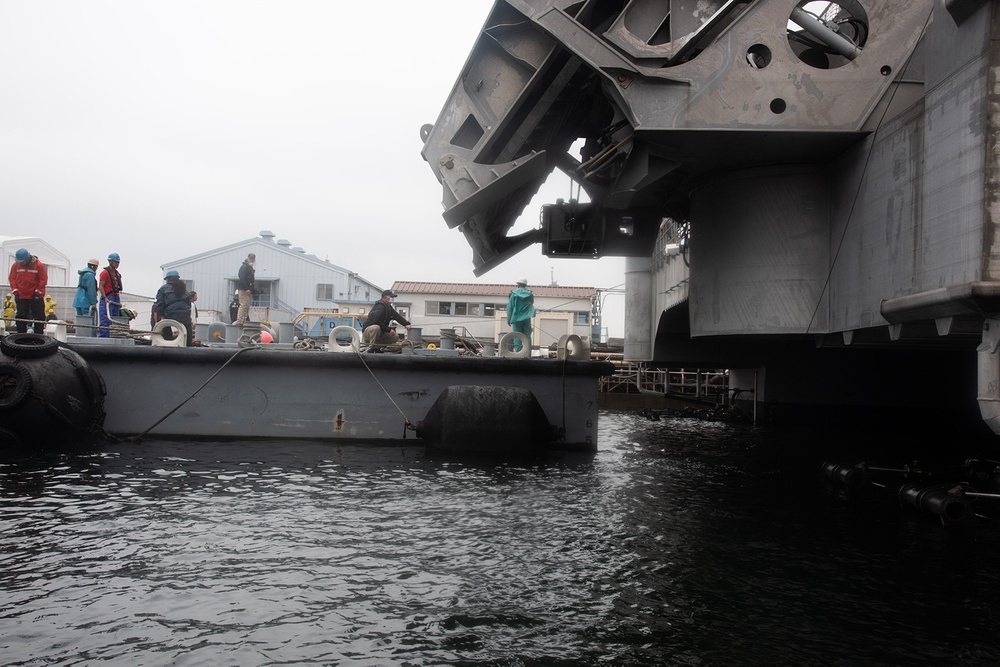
x=408 y=423
x=138 y=438
x=857 y=191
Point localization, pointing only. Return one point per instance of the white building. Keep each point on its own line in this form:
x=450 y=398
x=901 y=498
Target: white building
x=56 y=264
x=288 y=280
x=479 y=311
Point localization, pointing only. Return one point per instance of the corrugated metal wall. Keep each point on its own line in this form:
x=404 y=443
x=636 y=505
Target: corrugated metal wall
x=290 y=277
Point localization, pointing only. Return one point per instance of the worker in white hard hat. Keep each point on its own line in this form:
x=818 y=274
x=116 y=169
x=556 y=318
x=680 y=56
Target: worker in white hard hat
x=520 y=310
x=85 y=300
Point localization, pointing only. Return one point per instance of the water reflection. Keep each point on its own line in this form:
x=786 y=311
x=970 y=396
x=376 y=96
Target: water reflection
x=680 y=542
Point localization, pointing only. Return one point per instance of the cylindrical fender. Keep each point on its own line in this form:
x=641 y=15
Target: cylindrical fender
x=507 y=345
x=179 y=340
x=334 y=346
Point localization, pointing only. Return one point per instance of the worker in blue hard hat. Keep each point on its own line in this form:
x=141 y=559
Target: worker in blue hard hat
x=174 y=303
x=28 y=278
x=109 y=286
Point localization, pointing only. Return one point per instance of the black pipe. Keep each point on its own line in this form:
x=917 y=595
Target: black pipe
x=945 y=502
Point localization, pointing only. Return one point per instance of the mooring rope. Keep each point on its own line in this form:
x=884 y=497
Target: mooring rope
x=138 y=438
x=113 y=328
x=407 y=423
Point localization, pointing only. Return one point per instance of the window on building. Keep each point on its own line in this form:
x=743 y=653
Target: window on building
x=437 y=308
x=324 y=292
x=262 y=297
x=460 y=308
x=581 y=317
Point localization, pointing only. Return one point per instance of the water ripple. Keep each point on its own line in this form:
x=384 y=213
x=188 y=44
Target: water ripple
x=678 y=543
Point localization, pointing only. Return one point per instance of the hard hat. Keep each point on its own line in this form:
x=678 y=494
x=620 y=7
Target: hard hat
x=22 y=255
x=266 y=337
x=171 y=274
x=48 y=296
x=522 y=281
x=113 y=257
x=93 y=261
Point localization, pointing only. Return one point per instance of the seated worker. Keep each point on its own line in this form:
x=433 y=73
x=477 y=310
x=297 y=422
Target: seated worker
x=376 y=330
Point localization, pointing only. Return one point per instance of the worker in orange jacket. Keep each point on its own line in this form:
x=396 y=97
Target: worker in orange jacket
x=28 y=278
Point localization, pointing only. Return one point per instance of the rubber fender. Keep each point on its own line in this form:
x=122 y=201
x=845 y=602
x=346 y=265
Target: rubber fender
x=180 y=334
x=52 y=402
x=28 y=345
x=486 y=420
x=334 y=346
x=15 y=383
x=507 y=345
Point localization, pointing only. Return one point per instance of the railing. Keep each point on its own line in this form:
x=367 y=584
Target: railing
x=697 y=384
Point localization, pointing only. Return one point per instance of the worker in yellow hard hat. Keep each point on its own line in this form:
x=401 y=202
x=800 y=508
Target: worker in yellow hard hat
x=9 y=306
x=50 y=307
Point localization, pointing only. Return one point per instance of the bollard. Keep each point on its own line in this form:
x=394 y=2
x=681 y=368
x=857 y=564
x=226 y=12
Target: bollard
x=233 y=333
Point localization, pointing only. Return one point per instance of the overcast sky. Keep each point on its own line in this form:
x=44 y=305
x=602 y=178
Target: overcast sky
x=162 y=129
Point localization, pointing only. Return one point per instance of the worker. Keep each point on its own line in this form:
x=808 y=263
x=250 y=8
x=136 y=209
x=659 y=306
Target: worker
x=50 y=307
x=376 y=331
x=520 y=310
x=109 y=286
x=8 y=309
x=28 y=278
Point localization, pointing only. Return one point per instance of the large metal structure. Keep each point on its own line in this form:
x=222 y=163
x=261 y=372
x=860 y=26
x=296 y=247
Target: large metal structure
x=834 y=164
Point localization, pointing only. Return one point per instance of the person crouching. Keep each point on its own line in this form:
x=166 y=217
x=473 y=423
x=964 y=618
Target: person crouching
x=174 y=303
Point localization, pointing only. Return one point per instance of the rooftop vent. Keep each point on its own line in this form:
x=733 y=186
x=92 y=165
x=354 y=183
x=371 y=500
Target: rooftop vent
x=284 y=243
x=266 y=235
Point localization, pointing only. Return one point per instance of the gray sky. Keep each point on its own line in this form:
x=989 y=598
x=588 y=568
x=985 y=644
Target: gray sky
x=162 y=129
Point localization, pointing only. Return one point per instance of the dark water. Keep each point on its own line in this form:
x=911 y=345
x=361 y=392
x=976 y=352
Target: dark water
x=681 y=542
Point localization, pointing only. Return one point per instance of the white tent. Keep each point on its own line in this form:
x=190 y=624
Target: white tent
x=56 y=263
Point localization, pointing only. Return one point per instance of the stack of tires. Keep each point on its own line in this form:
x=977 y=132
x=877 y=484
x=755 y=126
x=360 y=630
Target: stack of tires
x=50 y=397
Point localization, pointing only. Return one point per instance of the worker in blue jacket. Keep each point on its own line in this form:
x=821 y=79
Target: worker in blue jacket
x=85 y=300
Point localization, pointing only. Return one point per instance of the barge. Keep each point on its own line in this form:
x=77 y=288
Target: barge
x=247 y=390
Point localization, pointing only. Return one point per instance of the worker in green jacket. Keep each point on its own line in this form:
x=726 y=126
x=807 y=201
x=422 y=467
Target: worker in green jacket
x=520 y=310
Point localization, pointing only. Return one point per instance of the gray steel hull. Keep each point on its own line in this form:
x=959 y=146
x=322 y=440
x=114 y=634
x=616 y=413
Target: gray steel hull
x=281 y=393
